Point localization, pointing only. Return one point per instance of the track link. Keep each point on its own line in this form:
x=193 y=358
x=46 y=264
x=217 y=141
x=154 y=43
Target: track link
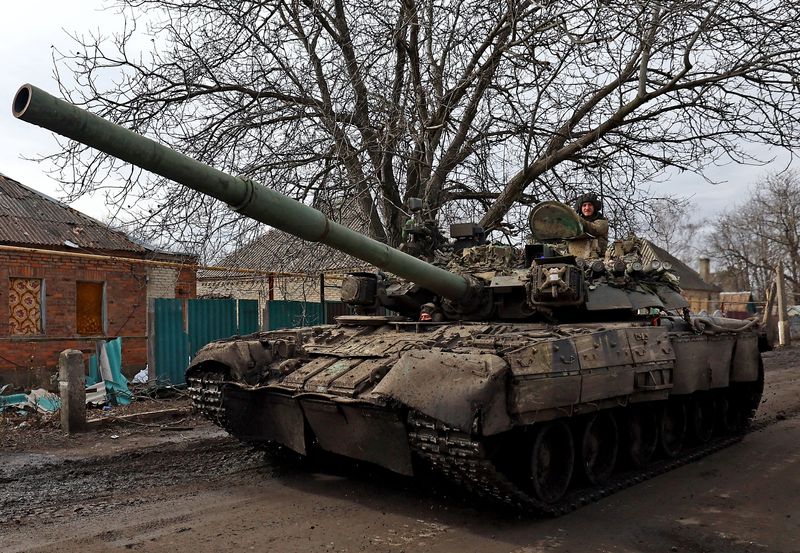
x=205 y=390
x=463 y=460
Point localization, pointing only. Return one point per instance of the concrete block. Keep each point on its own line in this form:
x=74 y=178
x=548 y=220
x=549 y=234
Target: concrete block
x=72 y=388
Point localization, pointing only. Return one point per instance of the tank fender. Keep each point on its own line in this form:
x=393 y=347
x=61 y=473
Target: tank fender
x=746 y=358
x=455 y=388
x=242 y=356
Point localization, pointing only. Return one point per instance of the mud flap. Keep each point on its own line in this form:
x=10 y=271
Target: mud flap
x=702 y=362
x=746 y=359
x=361 y=432
x=262 y=415
x=454 y=388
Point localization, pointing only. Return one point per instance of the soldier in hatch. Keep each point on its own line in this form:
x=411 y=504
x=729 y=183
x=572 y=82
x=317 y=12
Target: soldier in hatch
x=590 y=209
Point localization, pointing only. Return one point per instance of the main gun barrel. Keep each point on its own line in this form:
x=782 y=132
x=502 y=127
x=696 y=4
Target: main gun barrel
x=257 y=201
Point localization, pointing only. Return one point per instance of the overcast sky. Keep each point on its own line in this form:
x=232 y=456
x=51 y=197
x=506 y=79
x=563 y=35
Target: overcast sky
x=30 y=29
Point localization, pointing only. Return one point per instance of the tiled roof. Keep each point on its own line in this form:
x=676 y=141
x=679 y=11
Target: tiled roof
x=30 y=218
x=690 y=279
x=280 y=252
x=277 y=251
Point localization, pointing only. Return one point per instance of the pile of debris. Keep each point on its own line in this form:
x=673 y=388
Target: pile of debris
x=105 y=385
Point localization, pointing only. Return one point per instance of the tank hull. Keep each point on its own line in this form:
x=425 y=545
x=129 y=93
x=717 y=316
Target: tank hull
x=390 y=393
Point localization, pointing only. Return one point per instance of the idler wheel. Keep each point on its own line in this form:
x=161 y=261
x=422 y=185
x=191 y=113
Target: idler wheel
x=672 y=428
x=642 y=436
x=702 y=412
x=599 y=444
x=552 y=459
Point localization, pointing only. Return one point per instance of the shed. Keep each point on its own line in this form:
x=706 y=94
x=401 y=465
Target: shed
x=280 y=266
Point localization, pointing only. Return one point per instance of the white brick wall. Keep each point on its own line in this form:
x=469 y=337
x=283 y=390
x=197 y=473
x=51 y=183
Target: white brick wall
x=285 y=288
x=161 y=282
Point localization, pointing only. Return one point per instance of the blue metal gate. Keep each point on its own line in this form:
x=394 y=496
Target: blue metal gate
x=181 y=327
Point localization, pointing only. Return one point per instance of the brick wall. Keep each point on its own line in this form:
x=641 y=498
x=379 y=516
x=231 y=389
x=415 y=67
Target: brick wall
x=295 y=288
x=186 y=285
x=171 y=282
x=28 y=361
x=701 y=301
x=161 y=281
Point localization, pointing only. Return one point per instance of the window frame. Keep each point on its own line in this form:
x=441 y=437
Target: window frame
x=42 y=306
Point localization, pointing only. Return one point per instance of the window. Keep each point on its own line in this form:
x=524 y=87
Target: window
x=90 y=308
x=25 y=306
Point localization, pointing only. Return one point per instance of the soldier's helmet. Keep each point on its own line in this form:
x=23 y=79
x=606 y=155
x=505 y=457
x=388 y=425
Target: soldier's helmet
x=590 y=197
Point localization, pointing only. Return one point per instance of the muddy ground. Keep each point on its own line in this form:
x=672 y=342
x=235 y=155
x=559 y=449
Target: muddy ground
x=191 y=488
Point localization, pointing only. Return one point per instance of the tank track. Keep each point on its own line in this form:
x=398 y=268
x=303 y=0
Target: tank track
x=205 y=391
x=463 y=460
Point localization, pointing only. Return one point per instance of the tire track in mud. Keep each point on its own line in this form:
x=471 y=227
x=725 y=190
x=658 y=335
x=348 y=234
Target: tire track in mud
x=53 y=489
x=49 y=488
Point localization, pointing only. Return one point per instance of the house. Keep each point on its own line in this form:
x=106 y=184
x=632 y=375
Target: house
x=701 y=295
x=279 y=267
x=737 y=305
x=67 y=280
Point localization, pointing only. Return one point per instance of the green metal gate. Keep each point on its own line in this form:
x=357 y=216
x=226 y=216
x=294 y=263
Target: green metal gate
x=170 y=341
x=292 y=314
x=181 y=327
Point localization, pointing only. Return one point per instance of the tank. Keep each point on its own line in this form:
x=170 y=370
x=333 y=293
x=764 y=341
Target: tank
x=541 y=379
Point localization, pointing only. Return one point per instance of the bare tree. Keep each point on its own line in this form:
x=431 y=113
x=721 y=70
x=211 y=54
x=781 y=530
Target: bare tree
x=472 y=105
x=748 y=241
x=673 y=226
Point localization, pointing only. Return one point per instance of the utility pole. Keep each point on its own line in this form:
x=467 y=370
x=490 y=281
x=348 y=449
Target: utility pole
x=784 y=338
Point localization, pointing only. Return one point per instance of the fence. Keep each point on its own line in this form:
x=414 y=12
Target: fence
x=180 y=327
x=293 y=314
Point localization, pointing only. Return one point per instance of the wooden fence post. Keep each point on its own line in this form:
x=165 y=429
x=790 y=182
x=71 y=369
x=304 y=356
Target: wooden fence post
x=784 y=339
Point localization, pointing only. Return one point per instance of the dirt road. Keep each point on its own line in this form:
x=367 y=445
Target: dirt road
x=200 y=491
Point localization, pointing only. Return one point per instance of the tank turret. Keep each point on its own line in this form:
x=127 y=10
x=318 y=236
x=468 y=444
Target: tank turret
x=560 y=277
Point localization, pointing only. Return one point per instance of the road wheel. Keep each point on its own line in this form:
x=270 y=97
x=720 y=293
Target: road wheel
x=552 y=459
x=642 y=435
x=672 y=428
x=730 y=412
x=702 y=415
x=598 y=447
